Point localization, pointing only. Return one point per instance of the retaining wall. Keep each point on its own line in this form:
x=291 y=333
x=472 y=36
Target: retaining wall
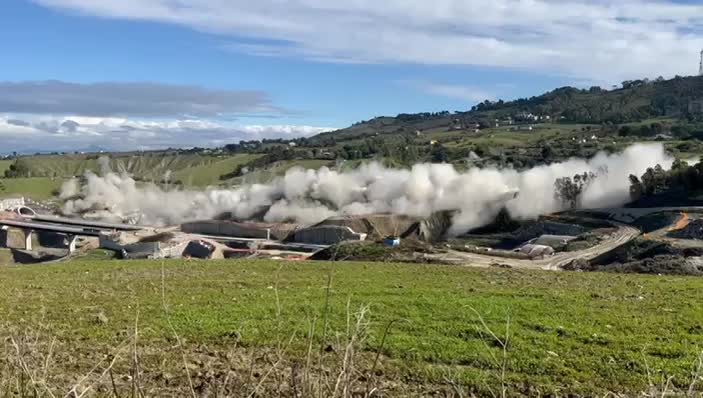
x=326 y=235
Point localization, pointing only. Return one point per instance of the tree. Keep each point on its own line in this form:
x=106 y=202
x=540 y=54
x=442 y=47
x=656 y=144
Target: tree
x=18 y=169
x=481 y=150
x=657 y=128
x=547 y=152
x=654 y=181
x=568 y=190
x=439 y=154
x=410 y=155
x=645 y=131
x=636 y=188
x=625 y=131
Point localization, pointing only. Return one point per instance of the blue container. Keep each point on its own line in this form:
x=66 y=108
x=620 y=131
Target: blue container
x=392 y=241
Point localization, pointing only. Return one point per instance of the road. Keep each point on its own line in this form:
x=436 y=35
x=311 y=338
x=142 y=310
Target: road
x=622 y=235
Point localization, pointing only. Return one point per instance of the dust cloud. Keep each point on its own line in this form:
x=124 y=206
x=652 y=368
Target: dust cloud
x=310 y=196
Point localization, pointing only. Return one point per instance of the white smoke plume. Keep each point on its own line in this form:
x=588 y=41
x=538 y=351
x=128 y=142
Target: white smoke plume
x=310 y=196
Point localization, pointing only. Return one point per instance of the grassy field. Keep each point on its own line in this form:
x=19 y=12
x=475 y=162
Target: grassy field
x=278 y=169
x=36 y=188
x=4 y=165
x=195 y=169
x=504 y=137
x=5 y=257
x=240 y=327
x=209 y=173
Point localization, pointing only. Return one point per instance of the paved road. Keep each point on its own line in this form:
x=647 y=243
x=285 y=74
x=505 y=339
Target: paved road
x=616 y=239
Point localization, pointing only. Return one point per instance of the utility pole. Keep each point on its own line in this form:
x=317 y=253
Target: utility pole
x=700 y=68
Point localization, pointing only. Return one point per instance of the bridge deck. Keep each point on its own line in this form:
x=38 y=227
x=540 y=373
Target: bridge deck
x=50 y=228
x=85 y=223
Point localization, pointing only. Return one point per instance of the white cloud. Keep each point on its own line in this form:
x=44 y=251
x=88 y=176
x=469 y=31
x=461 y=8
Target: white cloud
x=470 y=94
x=125 y=99
x=282 y=130
x=31 y=133
x=604 y=40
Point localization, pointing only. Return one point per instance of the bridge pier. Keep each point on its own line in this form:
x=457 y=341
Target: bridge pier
x=71 y=243
x=4 y=236
x=27 y=239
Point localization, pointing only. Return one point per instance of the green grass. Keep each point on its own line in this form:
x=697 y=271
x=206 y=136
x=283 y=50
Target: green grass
x=6 y=257
x=264 y=175
x=504 y=138
x=4 y=165
x=36 y=188
x=96 y=255
x=647 y=122
x=191 y=169
x=209 y=173
x=581 y=333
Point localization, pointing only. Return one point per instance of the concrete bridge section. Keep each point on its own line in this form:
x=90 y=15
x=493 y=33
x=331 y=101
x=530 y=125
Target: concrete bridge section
x=104 y=226
x=27 y=228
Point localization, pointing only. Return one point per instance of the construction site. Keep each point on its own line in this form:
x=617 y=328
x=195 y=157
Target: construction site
x=593 y=239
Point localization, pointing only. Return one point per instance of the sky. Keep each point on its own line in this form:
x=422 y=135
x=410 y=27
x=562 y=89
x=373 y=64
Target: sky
x=83 y=75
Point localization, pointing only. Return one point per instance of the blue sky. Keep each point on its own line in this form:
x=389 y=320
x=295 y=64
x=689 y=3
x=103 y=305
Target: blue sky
x=232 y=70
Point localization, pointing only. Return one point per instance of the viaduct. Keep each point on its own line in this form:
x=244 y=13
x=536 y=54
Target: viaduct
x=71 y=228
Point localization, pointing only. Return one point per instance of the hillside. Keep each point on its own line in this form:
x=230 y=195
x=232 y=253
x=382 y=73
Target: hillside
x=563 y=123
x=146 y=166
x=635 y=101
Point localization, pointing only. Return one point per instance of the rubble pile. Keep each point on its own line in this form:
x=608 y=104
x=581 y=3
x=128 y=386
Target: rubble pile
x=694 y=230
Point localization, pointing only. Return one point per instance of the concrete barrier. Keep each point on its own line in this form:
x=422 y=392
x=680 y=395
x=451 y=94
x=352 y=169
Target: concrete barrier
x=326 y=235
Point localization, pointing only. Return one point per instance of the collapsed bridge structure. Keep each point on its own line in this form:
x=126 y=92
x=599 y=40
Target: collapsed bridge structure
x=29 y=223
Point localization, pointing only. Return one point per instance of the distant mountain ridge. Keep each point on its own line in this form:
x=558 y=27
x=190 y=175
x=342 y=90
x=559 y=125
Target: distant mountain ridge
x=563 y=123
x=634 y=101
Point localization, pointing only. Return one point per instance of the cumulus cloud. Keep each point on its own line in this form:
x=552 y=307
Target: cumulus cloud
x=62 y=116
x=127 y=99
x=604 y=40
x=72 y=133
x=456 y=91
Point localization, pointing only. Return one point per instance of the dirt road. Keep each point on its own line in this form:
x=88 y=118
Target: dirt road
x=616 y=239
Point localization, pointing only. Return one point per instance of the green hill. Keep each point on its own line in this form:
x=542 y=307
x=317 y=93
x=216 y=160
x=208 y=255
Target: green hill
x=200 y=169
x=563 y=123
x=635 y=101
x=209 y=172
